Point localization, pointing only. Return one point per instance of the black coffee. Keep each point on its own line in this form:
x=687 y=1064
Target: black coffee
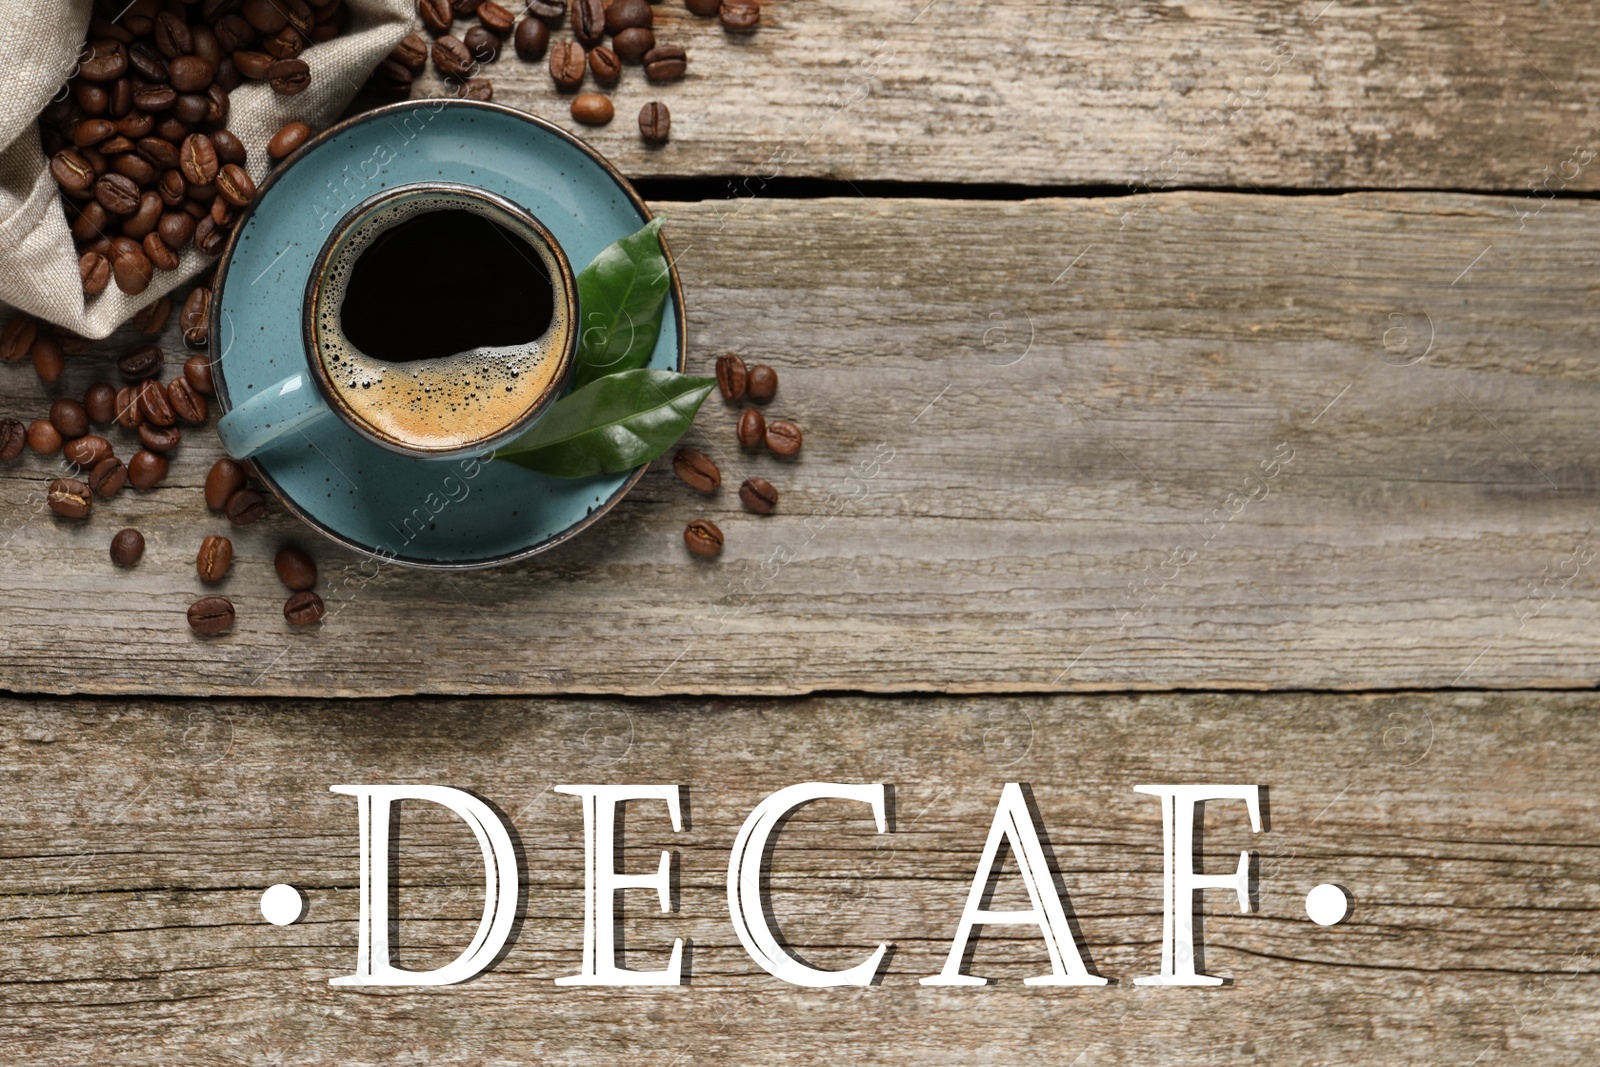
x=442 y=283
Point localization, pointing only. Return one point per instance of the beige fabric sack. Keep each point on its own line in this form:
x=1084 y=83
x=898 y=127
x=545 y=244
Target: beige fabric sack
x=39 y=45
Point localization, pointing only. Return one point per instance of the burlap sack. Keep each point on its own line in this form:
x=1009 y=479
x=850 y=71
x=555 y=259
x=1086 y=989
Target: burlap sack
x=39 y=45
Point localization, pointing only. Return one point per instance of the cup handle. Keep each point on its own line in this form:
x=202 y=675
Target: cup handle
x=271 y=415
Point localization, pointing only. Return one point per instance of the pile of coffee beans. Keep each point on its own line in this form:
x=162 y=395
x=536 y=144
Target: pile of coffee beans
x=605 y=37
x=698 y=471
x=138 y=140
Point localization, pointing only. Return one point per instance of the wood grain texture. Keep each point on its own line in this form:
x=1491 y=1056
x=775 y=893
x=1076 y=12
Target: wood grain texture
x=136 y=838
x=1405 y=95
x=1096 y=444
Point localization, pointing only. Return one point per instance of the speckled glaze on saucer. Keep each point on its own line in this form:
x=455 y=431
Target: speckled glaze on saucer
x=467 y=513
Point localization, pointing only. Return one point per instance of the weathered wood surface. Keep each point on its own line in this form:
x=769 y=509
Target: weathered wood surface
x=1123 y=444
x=1313 y=94
x=136 y=839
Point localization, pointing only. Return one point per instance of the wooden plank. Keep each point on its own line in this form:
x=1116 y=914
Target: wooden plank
x=1050 y=444
x=1421 y=95
x=137 y=838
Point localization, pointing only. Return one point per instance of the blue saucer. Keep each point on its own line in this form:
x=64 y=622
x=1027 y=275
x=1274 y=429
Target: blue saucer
x=424 y=513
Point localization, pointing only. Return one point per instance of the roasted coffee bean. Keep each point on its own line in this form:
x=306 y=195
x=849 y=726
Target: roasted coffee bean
x=245 y=507
x=48 y=359
x=172 y=35
x=211 y=615
x=135 y=167
x=154 y=406
x=118 y=194
x=592 y=109
x=100 y=401
x=606 y=66
x=290 y=136
x=223 y=480
x=107 y=61
x=146 y=469
x=160 y=152
x=93 y=99
x=267 y=16
x=138 y=20
x=229 y=148
x=130 y=267
x=196 y=322
x=567 y=64
x=114 y=146
x=634 y=43
x=751 y=429
x=304 y=609
x=393 y=78
x=289 y=77
x=136 y=124
x=549 y=10
x=697 y=470
x=285 y=44
x=252 y=64
x=190 y=74
x=732 y=378
x=13 y=439
x=739 y=16
x=496 y=17
x=214 y=558
x=295 y=569
x=72 y=171
x=465 y=8
x=108 y=477
x=531 y=39
x=783 y=437
x=121 y=101
x=209 y=238
x=235 y=186
x=91 y=222
x=143 y=362
x=233 y=32
x=91 y=132
x=437 y=15
x=703 y=538
x=665 y=63
x=16 y=340
x=704 y=8
x=483 y=45
x=187 y=404
x=173 y=188
x=152 y=318
x=69 y=417
x=763 y=385
x=70 y=498
x=222 y=213
x=589 y=21
x=142 y=222
x=159 y=438
x=191 y=109
x=128 y=416
x=626 y=14
x=87 y=450
x=197 y=371
x=197 y=158
x=655 y=122
x=481 y=89
x=146 y=64
x=757 y=495
x=95 y=272
x=43 y=438
x=127 y=548
x=160 y=256
x=411 y=53
x=217 y=104
x=451 y=57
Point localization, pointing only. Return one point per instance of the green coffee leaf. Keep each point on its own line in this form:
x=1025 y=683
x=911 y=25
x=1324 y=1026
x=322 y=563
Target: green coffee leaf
x=622 y=295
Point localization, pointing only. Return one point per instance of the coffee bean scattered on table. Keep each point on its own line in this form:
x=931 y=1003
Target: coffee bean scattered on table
x=703 y=538
x=763 y=383
x=296 y=570
x=127 y=547
x=13 y=439
x=211 y=615
x=43 y=437
x=214 y=558
x=304 y=608
x=740 y=16
x=87 y=450
x=195 y=318
x=758 y=495
x=732 y=378
x=655 y=123
x=146 y=469
x=696 y=470
x=751 y=429
x=245 y=507
x=592 y=109
x=783 y=437
x=69 y=498
x=69 y=418
x=197 y=371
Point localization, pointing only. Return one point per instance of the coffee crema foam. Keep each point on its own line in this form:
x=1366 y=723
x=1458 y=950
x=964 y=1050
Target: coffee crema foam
x=453 y=401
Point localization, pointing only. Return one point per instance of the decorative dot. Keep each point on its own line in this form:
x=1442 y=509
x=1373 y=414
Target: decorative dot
x=1327 y=904
x=281 y=904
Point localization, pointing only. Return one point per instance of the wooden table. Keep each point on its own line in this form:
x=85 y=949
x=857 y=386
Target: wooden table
x=1191 y=394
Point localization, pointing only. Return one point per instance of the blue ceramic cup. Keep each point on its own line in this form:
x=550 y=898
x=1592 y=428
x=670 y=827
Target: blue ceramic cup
x=462 y=403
